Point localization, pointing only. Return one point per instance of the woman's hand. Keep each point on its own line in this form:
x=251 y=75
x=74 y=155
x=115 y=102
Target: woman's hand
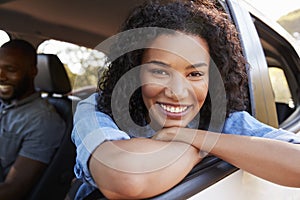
x=203 y=141
x=178 y=134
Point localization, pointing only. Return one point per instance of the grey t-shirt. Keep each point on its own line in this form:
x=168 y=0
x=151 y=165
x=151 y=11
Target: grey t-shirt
x=30 y=128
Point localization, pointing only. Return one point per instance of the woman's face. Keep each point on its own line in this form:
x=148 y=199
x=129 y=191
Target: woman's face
x=174 y=78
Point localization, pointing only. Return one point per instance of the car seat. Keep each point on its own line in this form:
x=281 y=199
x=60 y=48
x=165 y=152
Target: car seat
x=53 y=83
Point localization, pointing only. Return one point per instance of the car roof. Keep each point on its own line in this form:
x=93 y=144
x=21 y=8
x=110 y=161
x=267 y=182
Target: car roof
x=85 y=23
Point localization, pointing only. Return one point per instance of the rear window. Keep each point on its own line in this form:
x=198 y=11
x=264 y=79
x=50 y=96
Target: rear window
x=82 y=64
x=4 y=37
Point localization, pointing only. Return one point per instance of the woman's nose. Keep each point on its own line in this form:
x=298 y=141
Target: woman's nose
x=177 y=88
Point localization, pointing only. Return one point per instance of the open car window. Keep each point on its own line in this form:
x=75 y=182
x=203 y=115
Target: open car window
x=284 y=72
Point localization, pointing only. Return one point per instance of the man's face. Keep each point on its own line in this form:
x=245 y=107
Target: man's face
x=16 y=75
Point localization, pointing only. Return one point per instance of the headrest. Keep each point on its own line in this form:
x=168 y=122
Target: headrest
x=52 y=76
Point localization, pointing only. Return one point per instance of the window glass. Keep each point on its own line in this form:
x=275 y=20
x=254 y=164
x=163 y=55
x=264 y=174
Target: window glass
x=280 y=86
x=82 y=64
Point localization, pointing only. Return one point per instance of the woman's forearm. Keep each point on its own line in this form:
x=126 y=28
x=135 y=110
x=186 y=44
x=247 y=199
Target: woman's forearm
x=273 y=160
x=141 y=168
x=270 y=159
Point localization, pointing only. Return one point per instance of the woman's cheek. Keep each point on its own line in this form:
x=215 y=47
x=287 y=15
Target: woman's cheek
x=201 y=93
x=151 y=90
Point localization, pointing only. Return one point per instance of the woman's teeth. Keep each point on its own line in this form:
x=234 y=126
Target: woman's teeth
x=174 y=109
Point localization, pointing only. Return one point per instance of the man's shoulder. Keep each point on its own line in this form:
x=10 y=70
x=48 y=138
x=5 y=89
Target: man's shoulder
x=40 y=110
x=39 y=105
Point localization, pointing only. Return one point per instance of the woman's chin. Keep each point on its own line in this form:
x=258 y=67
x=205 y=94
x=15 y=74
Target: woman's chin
x=174 y=123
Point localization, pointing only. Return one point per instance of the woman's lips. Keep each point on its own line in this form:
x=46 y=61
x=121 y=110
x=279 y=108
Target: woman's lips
x=174 y=110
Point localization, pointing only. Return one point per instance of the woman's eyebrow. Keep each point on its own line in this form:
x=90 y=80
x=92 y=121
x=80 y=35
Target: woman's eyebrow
x=163 y=64
x=197 y=65
x=156 y=62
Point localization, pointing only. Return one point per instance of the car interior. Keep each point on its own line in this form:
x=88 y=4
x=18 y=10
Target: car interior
x=87 y=24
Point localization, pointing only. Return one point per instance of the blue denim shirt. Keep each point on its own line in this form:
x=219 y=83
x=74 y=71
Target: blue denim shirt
x=91 y=128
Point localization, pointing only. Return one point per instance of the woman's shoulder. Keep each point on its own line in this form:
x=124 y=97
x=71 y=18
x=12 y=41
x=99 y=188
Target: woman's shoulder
x=242 y=123
x=242 y=118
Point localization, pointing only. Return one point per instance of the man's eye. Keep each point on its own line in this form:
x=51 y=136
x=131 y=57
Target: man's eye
x=11 y=69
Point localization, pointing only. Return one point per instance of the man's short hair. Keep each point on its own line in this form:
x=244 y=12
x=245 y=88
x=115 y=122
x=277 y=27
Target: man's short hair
x=25 y=47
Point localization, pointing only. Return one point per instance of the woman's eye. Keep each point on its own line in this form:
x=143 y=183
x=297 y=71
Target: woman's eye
x=159 y=72
x=195 y=74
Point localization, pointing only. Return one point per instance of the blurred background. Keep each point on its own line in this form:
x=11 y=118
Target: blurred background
x=285 y=12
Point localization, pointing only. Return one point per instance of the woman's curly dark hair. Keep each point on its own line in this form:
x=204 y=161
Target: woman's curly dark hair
x=198 y=17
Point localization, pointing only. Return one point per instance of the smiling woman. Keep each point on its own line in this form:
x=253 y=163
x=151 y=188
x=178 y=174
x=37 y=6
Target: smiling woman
x=97 y=132
x=173 y=52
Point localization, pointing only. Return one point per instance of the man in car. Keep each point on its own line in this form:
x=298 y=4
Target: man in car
x=30 y=128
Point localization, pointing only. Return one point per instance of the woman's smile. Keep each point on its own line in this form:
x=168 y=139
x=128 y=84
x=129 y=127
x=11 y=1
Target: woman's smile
x=173 y=109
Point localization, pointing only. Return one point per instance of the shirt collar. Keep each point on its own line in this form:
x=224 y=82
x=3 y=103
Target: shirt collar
x=16 y=103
